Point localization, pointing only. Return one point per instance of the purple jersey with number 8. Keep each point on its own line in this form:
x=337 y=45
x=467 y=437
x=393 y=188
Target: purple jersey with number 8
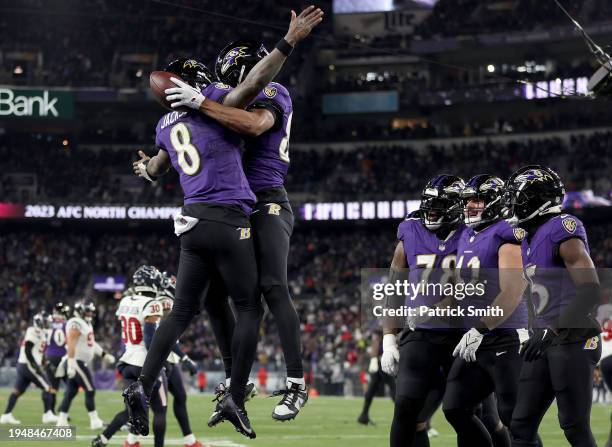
x=267 y=156
x=206 y=155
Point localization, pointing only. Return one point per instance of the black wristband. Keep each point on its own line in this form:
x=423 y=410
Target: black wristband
x=284 y=47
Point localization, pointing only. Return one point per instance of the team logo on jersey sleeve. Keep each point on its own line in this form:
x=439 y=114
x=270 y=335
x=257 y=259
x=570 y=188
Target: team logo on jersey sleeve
x=519 y=234
x=270 y=92
x=569 y=224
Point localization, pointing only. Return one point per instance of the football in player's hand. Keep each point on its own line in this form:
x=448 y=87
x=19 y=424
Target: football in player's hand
x=159 y=82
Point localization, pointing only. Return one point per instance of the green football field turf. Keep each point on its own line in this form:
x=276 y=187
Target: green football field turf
x=324 y=422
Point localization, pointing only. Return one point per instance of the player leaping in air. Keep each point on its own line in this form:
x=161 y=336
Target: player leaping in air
x=214 y=225
x=266 y=126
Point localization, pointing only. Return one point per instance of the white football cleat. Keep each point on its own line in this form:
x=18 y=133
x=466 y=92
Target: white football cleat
x=294 y=398
x=8 y=418
x=49 y=418
x=96 y=424
x=62 y=420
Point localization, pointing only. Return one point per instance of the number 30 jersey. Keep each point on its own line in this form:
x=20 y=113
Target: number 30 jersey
x=206 y=155
x=425 y=251
x=131 y=313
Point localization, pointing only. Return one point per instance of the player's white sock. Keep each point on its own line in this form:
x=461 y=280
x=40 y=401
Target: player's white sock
x=93 y=415
x=190 y=439
x=131 y=438
x=228 y=381
x=299 y=380
x=103 y=439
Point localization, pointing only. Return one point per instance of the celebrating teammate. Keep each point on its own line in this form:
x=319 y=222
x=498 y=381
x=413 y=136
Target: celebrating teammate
x=138 y=313
x=561 y=354
x=424 y=357
x=29 y=370
x=81 y=347
x=266 y=125
x=214 y=225
x=488 y=357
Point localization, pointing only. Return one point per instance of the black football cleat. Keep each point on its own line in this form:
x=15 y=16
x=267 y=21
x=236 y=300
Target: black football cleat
x=97 y=442
x=236 y=415
x=364 y=419
x=220 y=392
x=137 y=405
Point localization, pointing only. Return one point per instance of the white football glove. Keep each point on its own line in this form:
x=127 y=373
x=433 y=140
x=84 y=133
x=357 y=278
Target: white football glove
x=184 y=95
x=390 y=356
x=71 y=368
x=420 y=317
x=373 y=366
x=109 y=358
x=468 y=345
x=142 y=171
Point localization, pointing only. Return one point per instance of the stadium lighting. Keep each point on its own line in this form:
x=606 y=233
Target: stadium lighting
x=491 y=68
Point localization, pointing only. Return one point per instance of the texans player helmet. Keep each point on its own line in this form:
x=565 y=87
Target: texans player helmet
x=85 y=310
x=41 y=320
x=193 y=72
x=489 y=189
x=236 y=60
x=441 y=205
x=533 y=191
x=147 y=280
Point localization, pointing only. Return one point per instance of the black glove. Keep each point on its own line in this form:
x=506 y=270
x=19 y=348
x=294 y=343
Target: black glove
x=540 y=340
x=189 y=365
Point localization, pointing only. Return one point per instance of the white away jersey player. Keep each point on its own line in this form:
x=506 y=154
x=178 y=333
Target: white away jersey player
x=131 y=313
x=38 y=337
x=85 y=349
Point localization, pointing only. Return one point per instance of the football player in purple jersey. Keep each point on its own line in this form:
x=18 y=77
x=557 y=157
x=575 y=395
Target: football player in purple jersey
x=56 y=346
x=265 y=125
x=425 y=352
x=488 y=359
x=565 y=345
x=214 y=227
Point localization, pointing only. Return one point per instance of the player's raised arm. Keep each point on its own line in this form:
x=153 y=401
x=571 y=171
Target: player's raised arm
x=230 y=114
x=267 y=68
